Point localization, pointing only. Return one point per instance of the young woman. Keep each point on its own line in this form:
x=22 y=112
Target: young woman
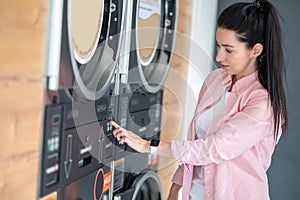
x=240 y=116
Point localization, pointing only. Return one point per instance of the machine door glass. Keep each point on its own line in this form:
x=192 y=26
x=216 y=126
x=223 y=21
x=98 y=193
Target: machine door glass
x=86 y=24
x=148 y=25
x=146 y=186
x=90 y=35
x=154 y=24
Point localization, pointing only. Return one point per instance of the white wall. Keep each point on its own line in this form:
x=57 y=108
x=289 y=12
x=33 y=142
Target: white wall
x=202 y=44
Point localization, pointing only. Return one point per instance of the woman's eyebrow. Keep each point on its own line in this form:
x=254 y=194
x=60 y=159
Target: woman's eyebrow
x=224 y=45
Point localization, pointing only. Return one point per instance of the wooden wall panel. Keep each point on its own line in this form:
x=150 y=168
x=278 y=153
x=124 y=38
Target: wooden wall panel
x=174 y=95
x=22 y=56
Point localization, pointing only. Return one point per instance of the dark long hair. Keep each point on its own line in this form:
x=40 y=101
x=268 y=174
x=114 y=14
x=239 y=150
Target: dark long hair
x=258 y=22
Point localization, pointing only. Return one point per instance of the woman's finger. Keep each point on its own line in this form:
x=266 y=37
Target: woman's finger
x=119 y=134
x=122 y=140
x=117 y=131
x=114 y=124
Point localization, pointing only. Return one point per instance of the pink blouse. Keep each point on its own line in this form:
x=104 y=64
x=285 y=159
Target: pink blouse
x=237 y=149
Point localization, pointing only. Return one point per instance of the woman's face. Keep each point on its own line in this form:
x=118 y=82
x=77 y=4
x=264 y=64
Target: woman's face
x=233 y=55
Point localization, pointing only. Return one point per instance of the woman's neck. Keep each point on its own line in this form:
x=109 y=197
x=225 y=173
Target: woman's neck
x=233 y=81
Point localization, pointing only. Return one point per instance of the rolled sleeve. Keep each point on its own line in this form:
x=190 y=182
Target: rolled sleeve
x=180 y=148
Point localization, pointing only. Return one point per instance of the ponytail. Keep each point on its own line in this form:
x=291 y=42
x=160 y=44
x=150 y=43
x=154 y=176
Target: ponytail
x=272 y=69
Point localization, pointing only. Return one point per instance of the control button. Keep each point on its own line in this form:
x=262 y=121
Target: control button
x=107 y=127
x=49 y=145
x=80 y=163
x=52 y=169
x=86 y=149
x=56 y=143
x=52 y=144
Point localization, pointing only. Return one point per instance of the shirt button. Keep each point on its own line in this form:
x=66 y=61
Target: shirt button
x=208 y=195
x=207 y=171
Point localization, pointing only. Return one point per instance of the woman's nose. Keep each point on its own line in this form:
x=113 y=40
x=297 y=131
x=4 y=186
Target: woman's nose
x=219 y=57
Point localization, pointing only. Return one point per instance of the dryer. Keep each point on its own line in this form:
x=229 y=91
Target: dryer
x=77 y=143
x=147 y=48
x=146 y=53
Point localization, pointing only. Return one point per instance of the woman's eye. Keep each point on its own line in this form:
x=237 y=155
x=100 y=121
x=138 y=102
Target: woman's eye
x=228 y=50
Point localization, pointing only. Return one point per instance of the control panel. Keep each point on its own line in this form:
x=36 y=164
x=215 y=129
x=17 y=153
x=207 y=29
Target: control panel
x=77 y=140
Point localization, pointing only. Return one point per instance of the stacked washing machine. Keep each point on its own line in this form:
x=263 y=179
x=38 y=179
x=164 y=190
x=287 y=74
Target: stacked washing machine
x=106 y=59
x=146 y=54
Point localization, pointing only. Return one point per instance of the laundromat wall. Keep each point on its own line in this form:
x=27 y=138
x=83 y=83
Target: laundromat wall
x=23 y=28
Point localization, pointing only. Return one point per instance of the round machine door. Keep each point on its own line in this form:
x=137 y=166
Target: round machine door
x=145 y=186
x=93 y=32
x=152 y=42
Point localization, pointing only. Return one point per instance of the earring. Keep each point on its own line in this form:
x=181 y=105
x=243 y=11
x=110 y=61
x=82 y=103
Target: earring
x=260 y=59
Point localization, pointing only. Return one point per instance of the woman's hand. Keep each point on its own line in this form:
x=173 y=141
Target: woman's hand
x=173 y=195
x=134 y=141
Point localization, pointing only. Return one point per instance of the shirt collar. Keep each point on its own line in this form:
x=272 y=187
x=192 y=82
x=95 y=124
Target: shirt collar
x=241 y=84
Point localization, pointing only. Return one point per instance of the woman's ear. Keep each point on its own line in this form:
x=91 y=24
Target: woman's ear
x=257 y=49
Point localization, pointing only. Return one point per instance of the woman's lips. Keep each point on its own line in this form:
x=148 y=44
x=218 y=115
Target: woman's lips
x=224 y=66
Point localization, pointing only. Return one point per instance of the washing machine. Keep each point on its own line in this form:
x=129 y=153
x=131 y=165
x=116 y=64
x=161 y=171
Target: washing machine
x=82 y=55
x=146 y=53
